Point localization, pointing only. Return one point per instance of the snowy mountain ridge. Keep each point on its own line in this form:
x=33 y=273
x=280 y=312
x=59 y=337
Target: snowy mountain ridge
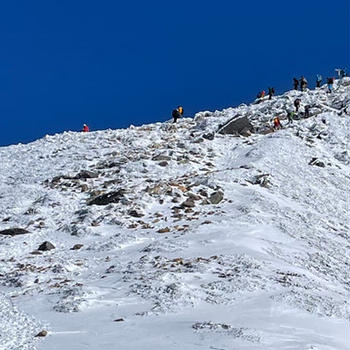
x=162 y=238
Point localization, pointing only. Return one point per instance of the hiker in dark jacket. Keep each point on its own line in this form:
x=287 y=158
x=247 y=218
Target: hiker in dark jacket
x=295 y=83
x=271 y=92
x=177 y=113
x=330 y=82
x=303 y=83
x=297 y=104
x=307 y=111
x=318 y=80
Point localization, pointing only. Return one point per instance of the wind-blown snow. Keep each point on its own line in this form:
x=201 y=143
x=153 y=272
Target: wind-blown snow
x=163 y=267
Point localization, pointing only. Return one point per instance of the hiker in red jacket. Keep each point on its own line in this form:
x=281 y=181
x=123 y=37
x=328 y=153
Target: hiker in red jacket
x=277 y=123
x=85 y=128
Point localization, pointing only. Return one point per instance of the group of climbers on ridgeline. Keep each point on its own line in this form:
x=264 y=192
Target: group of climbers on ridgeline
x=177 y=113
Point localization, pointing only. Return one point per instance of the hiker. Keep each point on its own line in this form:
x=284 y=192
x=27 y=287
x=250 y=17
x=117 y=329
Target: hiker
x=318 y=80
x=177 y=113
x=261 y=94
x=85 y=128
x=307 y=111
x=330 y=82
x=277 y=123
x=341 y=72
x=290 y=117
x=303 y=83
x=271 y=92
x=297 y=104
x=295 y=83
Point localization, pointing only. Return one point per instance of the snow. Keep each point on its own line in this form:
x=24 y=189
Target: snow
x=265 y=268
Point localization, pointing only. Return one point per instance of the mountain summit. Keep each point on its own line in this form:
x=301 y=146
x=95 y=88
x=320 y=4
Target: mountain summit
x=176 y=236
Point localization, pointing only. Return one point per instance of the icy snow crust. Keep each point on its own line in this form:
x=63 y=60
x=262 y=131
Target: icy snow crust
x=265 y=268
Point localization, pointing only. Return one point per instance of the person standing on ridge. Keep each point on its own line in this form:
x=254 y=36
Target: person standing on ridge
x=261 y=94
x=303 y=83
x=297 y=104
x=290 y=117
x=330 y=82
x=271 y=92
x=307 y=111
x=277 y=123
x=318 y=80
x=177 y=113
x=295 y=83
x=85 y=128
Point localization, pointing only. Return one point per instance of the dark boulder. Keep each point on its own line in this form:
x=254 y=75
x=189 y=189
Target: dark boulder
x=236 y=125
x=135 y=213
x=216 y=197
x=107 y=198
x=317 y=162
x=77 y=247
x=45 y=246
x=86 y=174
x=13 y=231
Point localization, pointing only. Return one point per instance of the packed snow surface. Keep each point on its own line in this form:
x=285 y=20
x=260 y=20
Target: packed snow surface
x=166 y=238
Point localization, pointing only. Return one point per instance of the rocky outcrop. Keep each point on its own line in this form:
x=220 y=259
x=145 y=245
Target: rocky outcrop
x=237 y=125
x=107 y=198
x=13 y=231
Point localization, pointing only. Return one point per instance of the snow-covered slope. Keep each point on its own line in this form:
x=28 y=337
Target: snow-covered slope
x=181 y=242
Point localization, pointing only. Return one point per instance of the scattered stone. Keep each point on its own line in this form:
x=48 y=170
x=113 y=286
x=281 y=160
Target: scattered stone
x=164 y=163
x=45 y=246
x=13 y=231
x=135 y=213
x=209 y=136
x=42 y=333
x=216 y=197
x=36 y=252
x=164 y=230
x=161 y=157
x=263 y=180
x=86 y=174
x=84 y=188
x=314 y=161
x=77 y=246
x=188 y=203
x=107 y=198
x=193 y=196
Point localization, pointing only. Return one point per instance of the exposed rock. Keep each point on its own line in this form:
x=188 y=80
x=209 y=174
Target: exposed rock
x=86 y=174
x=135 y=213
x=118 y=320
x=317 y=162
x=188 y=203
x=164 y=230
x=163 y=163
x=236 y=125
x=42 y=333
x=193 y=196
x=161 y=157
x=209 y=136
x=45 y=246
x=77 y=246
x=107 y=198
x=263 y=180
x=245 y=132
x=13 y=231
x=216 y=197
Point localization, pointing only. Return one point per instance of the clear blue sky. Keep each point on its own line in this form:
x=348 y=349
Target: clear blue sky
x=114 y=63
